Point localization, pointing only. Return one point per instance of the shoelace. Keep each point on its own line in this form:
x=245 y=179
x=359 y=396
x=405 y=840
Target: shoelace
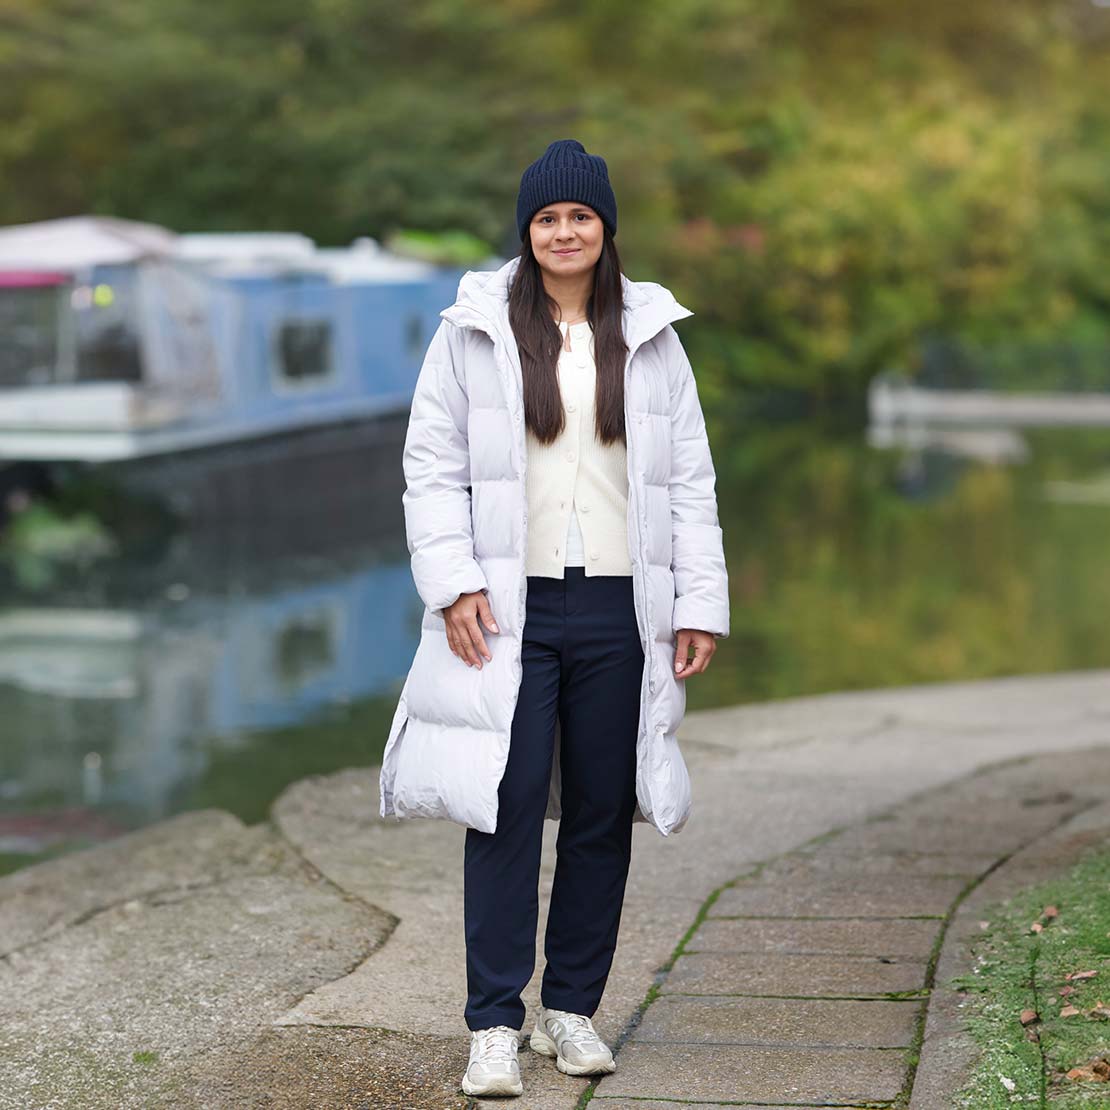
x=576 y=1024
x=494 y=1044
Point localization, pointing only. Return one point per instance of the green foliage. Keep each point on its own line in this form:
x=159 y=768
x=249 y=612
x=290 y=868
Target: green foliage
x=822 y=183
x=840 y=581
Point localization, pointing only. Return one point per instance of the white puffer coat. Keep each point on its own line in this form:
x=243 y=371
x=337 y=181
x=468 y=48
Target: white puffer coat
x=466 y=523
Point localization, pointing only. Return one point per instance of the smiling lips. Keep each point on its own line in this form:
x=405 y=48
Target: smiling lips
x=573 y=250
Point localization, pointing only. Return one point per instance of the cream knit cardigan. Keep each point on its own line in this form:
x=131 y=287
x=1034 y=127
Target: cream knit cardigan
x=577 y=489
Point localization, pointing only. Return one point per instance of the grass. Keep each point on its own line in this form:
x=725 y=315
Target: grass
x=1017 y=968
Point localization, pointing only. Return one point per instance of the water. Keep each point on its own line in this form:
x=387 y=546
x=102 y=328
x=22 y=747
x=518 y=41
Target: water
x=216 y=665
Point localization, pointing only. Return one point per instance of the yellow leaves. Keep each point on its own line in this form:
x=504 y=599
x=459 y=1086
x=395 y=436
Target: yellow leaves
x=945 y=146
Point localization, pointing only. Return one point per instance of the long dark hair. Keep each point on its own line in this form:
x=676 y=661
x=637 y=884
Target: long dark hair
x=539 y=339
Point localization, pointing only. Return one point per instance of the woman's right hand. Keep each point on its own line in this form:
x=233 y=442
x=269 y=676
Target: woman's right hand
x=464 y=633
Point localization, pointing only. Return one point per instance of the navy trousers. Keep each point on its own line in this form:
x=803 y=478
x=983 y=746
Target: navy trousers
x=583 y=662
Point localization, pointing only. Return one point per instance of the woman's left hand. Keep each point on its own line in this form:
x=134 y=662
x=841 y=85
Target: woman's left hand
x=704 y=645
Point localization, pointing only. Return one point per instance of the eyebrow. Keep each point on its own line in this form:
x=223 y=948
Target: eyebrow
x=576 y=208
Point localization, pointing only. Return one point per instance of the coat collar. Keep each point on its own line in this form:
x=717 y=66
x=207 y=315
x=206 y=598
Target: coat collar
x=483 y=301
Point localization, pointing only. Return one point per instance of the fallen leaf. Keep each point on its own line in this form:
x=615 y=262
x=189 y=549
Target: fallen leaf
x=1097 y=1071
x=1065 y=991
x=1068 y=1011
x=1081 y=975
x=1051 y=911
x=1036 y=927
x=1009 y=1084
x=1028 y=1016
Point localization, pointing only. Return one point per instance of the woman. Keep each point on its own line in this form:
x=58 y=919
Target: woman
x=561 y=515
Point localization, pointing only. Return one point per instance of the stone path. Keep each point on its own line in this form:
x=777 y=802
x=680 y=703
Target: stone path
x=315 y=960
x=808 y=980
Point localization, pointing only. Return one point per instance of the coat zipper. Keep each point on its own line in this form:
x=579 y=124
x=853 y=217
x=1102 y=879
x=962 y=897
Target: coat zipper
x=634 y=507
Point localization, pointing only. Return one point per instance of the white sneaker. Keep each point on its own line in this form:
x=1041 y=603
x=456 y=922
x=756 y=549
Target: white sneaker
x=573 y=1041
x=493 y=1068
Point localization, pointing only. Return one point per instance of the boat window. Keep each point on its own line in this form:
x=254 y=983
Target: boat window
x=304 y=350
x=106 y=323
x=414 y=336
x=29 y=328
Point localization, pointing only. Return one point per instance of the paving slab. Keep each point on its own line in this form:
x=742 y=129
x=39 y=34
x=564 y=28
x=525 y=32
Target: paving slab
x=832 y=859
x=997 y=838
x=740 y=1073
x=849 y=896
x=890 y=936
x=623 y=1103
x=780 y=1021
x=620 y=1103
x=772 y=973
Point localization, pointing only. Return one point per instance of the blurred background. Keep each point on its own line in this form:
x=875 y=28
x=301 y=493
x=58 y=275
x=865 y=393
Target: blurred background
x=226 y=233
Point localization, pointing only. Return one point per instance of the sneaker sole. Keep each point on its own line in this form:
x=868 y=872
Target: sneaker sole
x=505 y=1086
x=540 y=1042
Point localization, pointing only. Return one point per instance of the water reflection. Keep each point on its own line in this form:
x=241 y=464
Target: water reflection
x=256 y=647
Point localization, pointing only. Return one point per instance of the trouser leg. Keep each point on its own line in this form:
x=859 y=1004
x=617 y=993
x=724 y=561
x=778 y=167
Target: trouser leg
x=600 y=705
x=501 y=869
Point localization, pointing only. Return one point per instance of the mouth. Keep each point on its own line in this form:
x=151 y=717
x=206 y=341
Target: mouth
x=569 y=251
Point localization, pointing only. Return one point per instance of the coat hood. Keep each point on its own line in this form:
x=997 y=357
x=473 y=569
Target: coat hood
x=648 y=306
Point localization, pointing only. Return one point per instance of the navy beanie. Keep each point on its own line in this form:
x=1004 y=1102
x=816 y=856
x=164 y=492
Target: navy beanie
x=566 y=172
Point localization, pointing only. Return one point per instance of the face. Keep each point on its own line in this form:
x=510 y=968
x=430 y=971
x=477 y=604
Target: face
x=566 y=238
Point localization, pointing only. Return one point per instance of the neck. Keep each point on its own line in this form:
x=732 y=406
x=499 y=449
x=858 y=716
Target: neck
x=571 y=293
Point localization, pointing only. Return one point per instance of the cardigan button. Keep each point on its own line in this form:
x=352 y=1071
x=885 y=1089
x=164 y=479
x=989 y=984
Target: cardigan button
x=595 y=555
x=572 y=408
x=570 y=456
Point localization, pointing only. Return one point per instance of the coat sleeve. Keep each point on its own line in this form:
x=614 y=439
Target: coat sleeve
x=697 y=541
x=437 y=480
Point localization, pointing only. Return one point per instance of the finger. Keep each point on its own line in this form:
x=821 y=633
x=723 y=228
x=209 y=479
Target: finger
x=486 y=614
x=698 y=664
x=681 y=652
x=702 y=654
x=462 y=646
x=477 y=640
x=466 y=643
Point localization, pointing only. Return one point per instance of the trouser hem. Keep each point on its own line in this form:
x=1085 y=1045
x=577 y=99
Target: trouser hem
x=572 y=1005
x=494 y=1017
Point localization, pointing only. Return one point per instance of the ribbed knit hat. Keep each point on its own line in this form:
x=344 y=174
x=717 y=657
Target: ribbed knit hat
x=566 y=172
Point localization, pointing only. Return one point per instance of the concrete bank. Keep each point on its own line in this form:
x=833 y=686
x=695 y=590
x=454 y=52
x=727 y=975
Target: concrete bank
x=786 y=940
